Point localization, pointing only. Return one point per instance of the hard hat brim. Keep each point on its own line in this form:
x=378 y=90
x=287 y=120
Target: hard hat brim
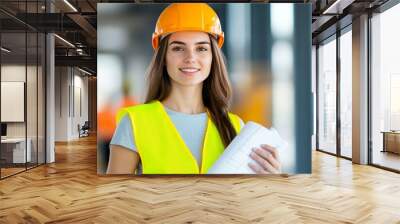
x=156 y=39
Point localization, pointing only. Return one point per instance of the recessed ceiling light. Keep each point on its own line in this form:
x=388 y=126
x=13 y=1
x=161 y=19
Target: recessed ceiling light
x=337 y=7
x=5 y=50
x=84 y=71
x=64 y=40
x=70 y=5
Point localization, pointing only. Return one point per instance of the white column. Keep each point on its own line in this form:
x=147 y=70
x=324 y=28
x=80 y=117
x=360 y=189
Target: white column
x=360 y=90
x=50 y=92
x=50 y=109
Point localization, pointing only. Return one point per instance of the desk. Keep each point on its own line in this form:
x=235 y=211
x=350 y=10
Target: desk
x=16 y=147
x=391 y=141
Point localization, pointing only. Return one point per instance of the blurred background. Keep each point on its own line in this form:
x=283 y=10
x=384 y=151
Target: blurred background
x=268 y=52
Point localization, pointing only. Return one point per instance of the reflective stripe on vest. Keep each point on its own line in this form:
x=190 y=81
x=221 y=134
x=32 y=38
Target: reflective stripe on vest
x=161 y=148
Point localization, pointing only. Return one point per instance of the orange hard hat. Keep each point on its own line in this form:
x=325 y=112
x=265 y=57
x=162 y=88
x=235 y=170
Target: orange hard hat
x=188 y=17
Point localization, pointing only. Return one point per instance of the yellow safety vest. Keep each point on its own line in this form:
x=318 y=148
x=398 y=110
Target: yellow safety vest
x=161 y=148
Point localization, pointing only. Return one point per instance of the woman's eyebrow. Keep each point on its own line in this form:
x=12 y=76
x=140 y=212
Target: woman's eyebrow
x=183 y=43
x=203 y=42
x=177 y=42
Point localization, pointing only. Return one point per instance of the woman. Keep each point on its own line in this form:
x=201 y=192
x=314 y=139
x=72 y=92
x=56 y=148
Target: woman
x=184 y=125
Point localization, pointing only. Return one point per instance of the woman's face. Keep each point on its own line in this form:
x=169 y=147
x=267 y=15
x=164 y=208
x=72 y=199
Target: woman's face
x=189 y=57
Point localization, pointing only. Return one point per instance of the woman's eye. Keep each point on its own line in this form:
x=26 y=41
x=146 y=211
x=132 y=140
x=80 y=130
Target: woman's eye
x=202 y=49
x=177 y=49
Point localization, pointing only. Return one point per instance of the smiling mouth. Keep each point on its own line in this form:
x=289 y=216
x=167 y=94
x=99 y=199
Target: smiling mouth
x=189 y=70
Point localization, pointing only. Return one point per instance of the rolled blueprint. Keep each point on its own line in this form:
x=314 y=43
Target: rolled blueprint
x=236 y=156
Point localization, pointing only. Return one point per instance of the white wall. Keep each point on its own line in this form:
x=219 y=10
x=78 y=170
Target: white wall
x=80 y=89
x=33 y=126
x=61 y=103
x=16 y=73
x=71 y=93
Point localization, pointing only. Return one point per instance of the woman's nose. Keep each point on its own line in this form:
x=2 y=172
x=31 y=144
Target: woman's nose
x=190 y=56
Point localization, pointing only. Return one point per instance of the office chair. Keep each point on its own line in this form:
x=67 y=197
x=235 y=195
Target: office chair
x=84 y=130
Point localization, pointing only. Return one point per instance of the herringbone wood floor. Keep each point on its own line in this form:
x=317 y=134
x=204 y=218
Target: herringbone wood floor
x=70 y=191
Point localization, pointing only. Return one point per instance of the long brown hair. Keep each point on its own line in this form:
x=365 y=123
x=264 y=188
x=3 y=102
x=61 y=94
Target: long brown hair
x=216 y=89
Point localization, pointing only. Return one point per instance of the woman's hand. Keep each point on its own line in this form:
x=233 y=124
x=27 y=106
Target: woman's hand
x=266 y=160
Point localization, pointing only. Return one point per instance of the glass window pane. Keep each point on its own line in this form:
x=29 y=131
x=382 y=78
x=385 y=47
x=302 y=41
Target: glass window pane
x=13 y=85
x=23 y=87
x=386 y=89
x=346 y=94
x=327 y=97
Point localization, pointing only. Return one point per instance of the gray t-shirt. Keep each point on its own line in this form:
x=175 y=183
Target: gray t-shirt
x=191 y=128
